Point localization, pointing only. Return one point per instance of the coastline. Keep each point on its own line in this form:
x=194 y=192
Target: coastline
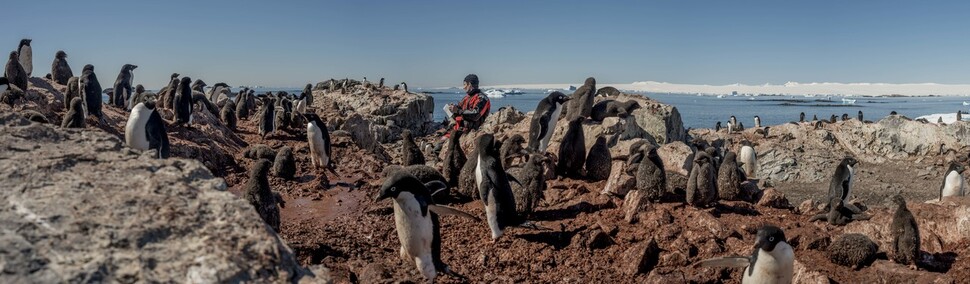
x=787 y=89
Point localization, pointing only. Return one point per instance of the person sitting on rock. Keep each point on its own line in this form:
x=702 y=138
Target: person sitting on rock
x=472 y=110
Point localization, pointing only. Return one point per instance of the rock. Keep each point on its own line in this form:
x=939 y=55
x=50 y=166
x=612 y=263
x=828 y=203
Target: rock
x=387 y=111
x=677 y=158
x=946 y=223
x=774 y=199
x=804 y=276
x=852 y=250
x=502 y=120
x=594 y=239
x=87 y=209
x=634 y=203
x=619 y=183
x=807 y=207
x=375 y=273
x=367 y=135
x=639 y=259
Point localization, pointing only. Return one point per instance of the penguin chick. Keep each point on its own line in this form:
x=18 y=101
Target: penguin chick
x=284 y=166
x=259 y=195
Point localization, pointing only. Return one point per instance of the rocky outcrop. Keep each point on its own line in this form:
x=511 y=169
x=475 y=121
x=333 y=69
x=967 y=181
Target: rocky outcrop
x=80 y=207
x=941 y=224
x=378 y=116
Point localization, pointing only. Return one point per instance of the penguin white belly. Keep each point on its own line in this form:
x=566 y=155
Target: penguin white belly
x=776 y=266
x=301 y=106
x=26 y=54
x=490 y=208
x=415 y=231
x=851 y=180
x=550 y=128
x=747 y=156
x=317 y=148
x=954 y=185
x=135 y=135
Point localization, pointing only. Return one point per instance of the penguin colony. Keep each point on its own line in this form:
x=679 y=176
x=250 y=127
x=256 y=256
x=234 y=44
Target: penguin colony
x=508 y=190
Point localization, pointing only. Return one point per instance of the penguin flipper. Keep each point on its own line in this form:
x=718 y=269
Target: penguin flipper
x=445 y=210
x=728 y=261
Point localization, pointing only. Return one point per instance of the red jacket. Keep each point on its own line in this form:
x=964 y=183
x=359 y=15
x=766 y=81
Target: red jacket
x=472 y=111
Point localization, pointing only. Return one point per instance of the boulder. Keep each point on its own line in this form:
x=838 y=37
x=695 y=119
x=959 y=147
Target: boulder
x=773 y=198
x=640 y=258
x=388 y=112
x=88 y=209
x=677 y=158
x=502 y=120
x=619 y=182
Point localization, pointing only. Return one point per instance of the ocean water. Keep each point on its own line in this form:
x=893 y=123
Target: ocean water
x=706 y=111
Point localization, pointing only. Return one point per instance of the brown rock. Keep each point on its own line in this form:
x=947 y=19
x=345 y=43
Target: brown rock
x=641 y=258
x=634 y=203
x=677 y=158
x=774 y=199
x=803 y=275
x=619 y=183
x=807 y=207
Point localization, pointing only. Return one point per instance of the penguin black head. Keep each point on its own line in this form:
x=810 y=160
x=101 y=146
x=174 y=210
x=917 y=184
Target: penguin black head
x=892 y=113
x=312 y=117
x=954 y=166
x=174 y=76
x=590 y=81
x=485 y=144
x=757 y=117
x=899 y=200
x=260 y=169
x=849 y=161
x=139 y=89
x=150 y=104
x=845 y=117
x=88 y=67
x=768 y=237
x=60 y=54
x=400 y=181
x=185 y=81
x=558 y=97
x=25 y=41
x=129 y=67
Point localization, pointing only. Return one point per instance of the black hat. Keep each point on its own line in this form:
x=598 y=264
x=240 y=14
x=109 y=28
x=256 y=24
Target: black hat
x=472 y=79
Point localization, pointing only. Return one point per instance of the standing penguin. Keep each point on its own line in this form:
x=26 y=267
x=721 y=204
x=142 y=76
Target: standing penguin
x=26 y=56
x=717 y=127
x=410 y=152
x=959 y=115
x=544 y=121
x=319 y=139
x=581 y=104
x=599 y=162
x=455 y=159
x=307 y=95
x=650 y=173
x=15 y=72
x=266 y=117
x=266 y=202
x=772 y=261
x=169 y=92
x=494 y=189
x=404 y=86
x=840 y=186
x=905 y=232
x=183 y=102
x=242 y=105
x=801 y=117
x=284 y=166
x=73 y=91
x=511 y=148
x=146 y=130
x=91 y=92
x=532 y=183
x=75 y=115
x=228 y=114
x=60 y=70
x=572 y=150
x=860 y=116
x=701 y=184
x=122 y=88
x=217 y=90
x=757 y=121
x=139 y=97
x=729 y=178
x=416 y=222
x=953 y=184
x=748 y=159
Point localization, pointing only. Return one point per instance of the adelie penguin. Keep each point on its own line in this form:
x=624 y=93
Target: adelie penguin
x=284 y=166
x=511 y=149
x=717 y=127
x=729 y=178
x=60 y=70
x=572 y=150
x=15 y=72
x=91 y=89
x=772 y=261
x=9 y=94
x=581 y=104
x=75 y=115
x=266 y=117
x=599 y=162
x=494 y=189
x=242 y=105
x=169 y=92
x=319 y=140
x=146 y=130
x=905 y=232
x=416 y=222
x=532 y=183
x=757 y=121
x=801 y=117
x=455 y=159
x=183 y=102
x=702 y=181
x=650 y=173
x=544 y=121
x=860 y=117
x=613 y=108
x=840 y=186
x=732 y=124
x=26 y=56
x=748 y=159
x=123 y=88
x=228 y=114
x=840 y=213
x=73 y=91
x=410 y=152
x=266 y=202
x=953 y=183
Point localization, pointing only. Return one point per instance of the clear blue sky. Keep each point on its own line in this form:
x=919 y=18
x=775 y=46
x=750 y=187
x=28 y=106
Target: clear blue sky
x=435 y=43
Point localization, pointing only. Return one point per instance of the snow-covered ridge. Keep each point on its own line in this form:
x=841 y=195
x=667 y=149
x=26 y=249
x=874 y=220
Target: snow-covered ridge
x=789 y=88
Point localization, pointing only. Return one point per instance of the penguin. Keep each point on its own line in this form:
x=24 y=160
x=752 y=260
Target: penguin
x=511 y=148
x=199 y=85
x=732 y=124
x=306 y=98
x=748 y=159
x=266 y=202
x=319 y=139
x=840 y=186
x=183 y=102
x=260 y=151
x=217 y=90
x=91 y=92
x=455 y=159
x=9 y=94
x=717 y=127
x=73 y=91
x=169 y=91
x=905 y=232
x=581 y=104
x=852 y=250
x=284 y=166
x=650 y=173
x=494 y=189
x=26 y=56
x=860 y=116
x=763 y=131
x=381 y=84
x=607 y=92
x=893 y=113
x=283 y=113
x=242 y=105
x=612 y=108
x=60 y=70
x=702 y=182
x=139 y=97
x=599 y=162
x=839 y=213
x=75 y=115
x=15 y=72
x=939 y=120
x=544 y=121
x=228 y=115
x=410 y=152
x=729 y=178
x=404 y=86
x=959 y=115
x=416 y=222
x=801 y=117
x=845 y=117
x=529 y=190
x=572 y=150
x=814 y=117
x=266 y=117
x=145 y=130
x=123 y=88
x=757 y=121
x=772 y=261
x=953 y=184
